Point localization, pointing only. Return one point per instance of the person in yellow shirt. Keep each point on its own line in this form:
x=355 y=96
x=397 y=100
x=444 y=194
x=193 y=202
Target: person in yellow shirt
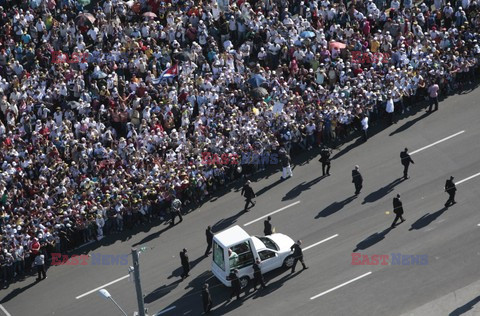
x=374 y=45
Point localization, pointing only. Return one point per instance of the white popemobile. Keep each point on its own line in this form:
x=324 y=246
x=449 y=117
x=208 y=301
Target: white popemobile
x=233 y=249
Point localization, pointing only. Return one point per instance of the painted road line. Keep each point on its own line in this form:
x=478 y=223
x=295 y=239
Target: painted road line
x=318 y=243
x=341 y=285
x=265 y=216
x=469 y=178
x=4 y=310
x=437 y=142
x=165 y=310
x=103 y=286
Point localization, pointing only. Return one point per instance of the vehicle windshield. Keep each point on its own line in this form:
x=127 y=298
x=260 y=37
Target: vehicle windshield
x=218 y=256
x=270 y=244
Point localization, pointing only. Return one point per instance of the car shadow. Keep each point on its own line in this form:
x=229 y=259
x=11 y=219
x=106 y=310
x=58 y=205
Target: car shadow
x=335 y=207
x=372 y=240
x=427 y=219
x=377 y=195
x=465 y=308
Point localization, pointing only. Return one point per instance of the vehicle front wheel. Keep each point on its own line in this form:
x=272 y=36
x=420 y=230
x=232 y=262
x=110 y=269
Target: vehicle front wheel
x=244 y=281
x=288 y=262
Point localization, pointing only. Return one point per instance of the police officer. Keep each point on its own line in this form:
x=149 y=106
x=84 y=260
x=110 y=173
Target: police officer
x=257 y=275
x=450 y=188
x=357 y=179
x=297 y=255
x=236 y=286
x=209 y=235
x=325 y=159
x=267 y=230
x=406 y=160
x=185 y=263
x=398 y=210
x=207 y=299
x=176 y=211
x=248 y=193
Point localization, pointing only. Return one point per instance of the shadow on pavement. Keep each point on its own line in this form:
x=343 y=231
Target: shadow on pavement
x=268 y=187
x=465 y=308
x=372 y=240
x=16 y=292
x=409 y=124
x=427 y=219
x=153 y=236
x=161 y=292
x=377 y=195
x=226 y=222
x=293 y=193
x=335 y=207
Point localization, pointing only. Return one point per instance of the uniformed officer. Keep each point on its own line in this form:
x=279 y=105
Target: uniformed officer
x=357 y=179
x=236 y=286
x=297 y=255
x=248 y=193
x=207 y=299
x=257 y=275
x=325 y=160
x=398 y=210
x=209 y=235
x=406 y=160
x=185 y=263
x=450 y=188
x=267 y=230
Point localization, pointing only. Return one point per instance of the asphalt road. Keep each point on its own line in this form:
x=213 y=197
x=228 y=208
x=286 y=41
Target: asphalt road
x=447 y=285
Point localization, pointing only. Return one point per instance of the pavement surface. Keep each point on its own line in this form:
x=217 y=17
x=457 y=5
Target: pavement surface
x=448 y=284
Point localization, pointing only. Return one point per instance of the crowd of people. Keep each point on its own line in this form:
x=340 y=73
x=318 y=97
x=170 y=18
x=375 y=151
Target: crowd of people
x=93 y=147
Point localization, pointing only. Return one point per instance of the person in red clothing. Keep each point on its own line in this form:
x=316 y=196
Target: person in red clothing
x=35 y=248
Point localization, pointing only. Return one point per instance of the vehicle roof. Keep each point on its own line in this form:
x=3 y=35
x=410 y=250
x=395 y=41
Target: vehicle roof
x=231 y=236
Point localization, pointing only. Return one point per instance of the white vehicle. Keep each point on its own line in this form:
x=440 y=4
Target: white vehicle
x=233 y=249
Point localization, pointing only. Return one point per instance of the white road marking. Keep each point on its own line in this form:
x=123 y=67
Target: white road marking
x=4 y=310
x=341 y=285
x=318 y=243
x=265 y=216
x=102 y=286
x=469 y=178
x=165 y=310
x=437 y=142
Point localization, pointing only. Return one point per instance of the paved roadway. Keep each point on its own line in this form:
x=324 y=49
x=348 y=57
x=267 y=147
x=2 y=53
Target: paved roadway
x=448 y=285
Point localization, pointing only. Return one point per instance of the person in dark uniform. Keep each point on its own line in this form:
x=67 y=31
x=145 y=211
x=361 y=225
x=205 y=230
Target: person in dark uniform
x=357 y=180
x=406 y=161
x=297 y=255
x=236 y=286
x=209 y=235
x=207 y=299
x=248 y=193
x=450 y=188
x=185 y=263
x=176 y=211
x=398 y=210
x=267 y=230
x=325 y=160
x=257 y=275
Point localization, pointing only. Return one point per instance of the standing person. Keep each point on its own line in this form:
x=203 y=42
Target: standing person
x=207 y=299
x=297 y=255
x=185 y=263
x=450 y=188
x=176 y=211
x=209 y=235
x=365 y=127
x=325 y=160
x=248 y=193
x=406 y=160
x=433 y=94
x=236 y=286
x=40 y=264
x=257 y=275
x=357 y=179
x=267 y=230
x=398 y=210
x=390 y=109
x=286 y=169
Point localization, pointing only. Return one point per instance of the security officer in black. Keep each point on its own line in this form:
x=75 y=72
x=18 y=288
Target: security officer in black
x=398 y=210
x=248 y=193
x=406 y=160
x=325 y=160
x=207 y=299
x=357 y=180
x=257 y=275
x=267 y=230
x=185 y=263
x=236 y=286
x=209 y=235
x=297 y=255
x=450 y=188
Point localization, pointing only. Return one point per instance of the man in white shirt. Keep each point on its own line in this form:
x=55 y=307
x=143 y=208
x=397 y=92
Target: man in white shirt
x=390 y=108
x=365 y=127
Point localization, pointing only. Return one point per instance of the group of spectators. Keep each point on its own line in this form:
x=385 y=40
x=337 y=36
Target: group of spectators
x=97 y=146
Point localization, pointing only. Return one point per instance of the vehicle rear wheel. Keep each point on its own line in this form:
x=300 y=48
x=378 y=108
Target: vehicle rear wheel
x=288 y=262
x=244 y=281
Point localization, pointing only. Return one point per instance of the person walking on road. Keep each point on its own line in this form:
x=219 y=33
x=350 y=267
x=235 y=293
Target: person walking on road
x=209 y=235
x=257 y=275
x=364 y=122
x=40 y=264
x=398 y=210
x=248 y=193
x=267 y=230
x=286 y=168
x=357 y=179
x=297 y=255
x=176 y=211
x=325 y=160
x=433 y=93
x=207 y=299
x=236 y=286
x=450 y=188
x=406 y=161
x=185 y=263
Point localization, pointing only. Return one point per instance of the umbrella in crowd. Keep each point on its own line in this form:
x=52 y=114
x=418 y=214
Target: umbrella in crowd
x=183 y=56
x=256 y=80
x=307 y=34
x=259 y=93
x=150 y=15
x=83 y=18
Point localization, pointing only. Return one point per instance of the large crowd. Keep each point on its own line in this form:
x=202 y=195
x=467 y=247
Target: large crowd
x=93 y=147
